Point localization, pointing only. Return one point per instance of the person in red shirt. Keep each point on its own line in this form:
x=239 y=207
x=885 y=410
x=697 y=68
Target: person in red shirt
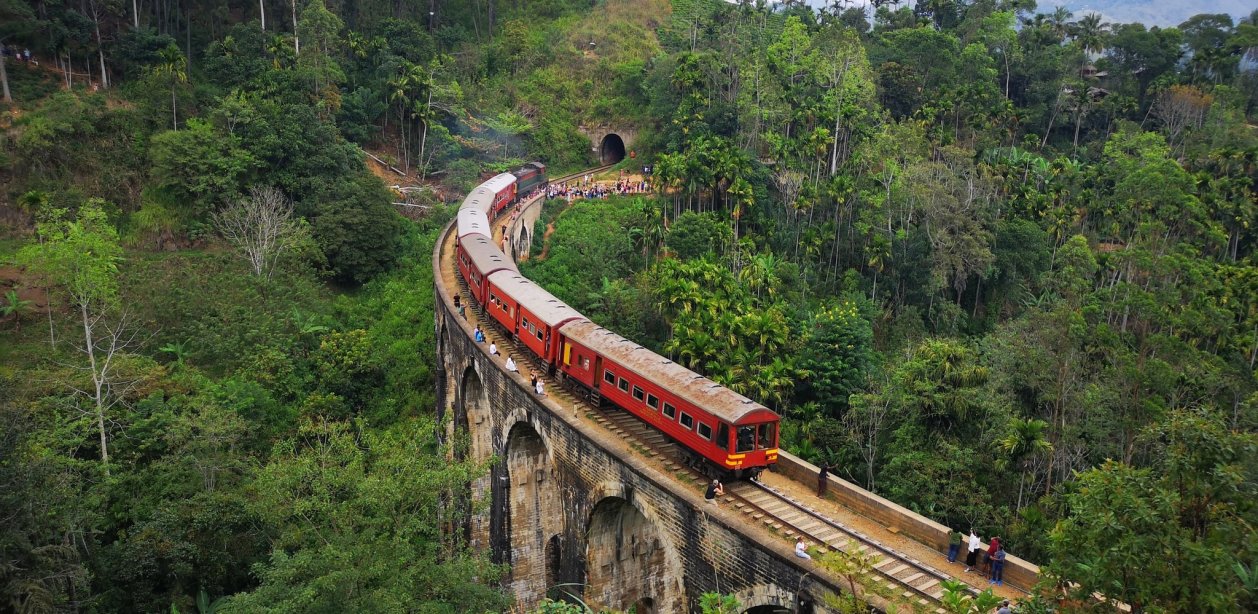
x=991 y=552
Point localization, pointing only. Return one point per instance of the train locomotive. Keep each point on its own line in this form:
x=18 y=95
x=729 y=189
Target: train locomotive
x=723 y=432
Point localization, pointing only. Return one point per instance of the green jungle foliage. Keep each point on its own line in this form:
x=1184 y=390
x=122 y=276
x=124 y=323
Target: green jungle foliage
x=992 y=263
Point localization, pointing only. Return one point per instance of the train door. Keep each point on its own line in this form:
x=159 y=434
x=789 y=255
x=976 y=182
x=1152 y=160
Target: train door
x=595 y=394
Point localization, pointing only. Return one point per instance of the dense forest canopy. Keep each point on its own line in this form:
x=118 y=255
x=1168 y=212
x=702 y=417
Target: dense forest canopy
x=993 y=263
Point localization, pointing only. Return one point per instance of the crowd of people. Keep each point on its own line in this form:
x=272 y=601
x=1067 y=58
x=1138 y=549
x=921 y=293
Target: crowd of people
x=587 y=187
x=993 y=558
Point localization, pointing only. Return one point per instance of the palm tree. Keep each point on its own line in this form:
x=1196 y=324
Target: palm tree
x=1026 y=439
x=173 y=66
x=1091 y=34
x=16 y=307
x=1059 y=22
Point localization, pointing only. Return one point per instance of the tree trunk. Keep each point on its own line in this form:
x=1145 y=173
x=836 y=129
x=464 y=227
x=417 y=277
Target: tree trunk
x=98 y=384
x=4 y=80
x=174 y=117
x=262 y=13
x=296 y=42
x=100 y=48
x=135 y=14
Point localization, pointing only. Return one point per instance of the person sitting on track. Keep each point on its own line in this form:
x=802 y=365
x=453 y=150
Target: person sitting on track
x=801 y=549
x=511 y=365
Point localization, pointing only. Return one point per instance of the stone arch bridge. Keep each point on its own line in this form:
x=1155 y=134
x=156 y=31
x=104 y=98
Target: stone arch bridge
x=571 y=507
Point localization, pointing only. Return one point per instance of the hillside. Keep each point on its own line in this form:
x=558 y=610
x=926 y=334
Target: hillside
x=993 y=264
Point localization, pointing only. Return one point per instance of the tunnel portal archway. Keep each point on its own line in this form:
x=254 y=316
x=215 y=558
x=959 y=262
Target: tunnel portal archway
x=612 y=149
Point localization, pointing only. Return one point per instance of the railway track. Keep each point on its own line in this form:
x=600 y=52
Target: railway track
x=898 y=573
x=894 y=572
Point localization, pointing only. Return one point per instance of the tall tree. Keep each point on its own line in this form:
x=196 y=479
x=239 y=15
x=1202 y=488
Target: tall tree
x=172 y=66
x=82 y=257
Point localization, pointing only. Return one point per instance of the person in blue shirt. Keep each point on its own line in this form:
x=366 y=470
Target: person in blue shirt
x=998 y=566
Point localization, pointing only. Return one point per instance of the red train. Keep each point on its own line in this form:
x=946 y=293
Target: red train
x=734 y=435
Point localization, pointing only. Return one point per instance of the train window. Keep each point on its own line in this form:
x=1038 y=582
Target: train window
x=609 y=377
x=524 y=322
x=637 y=393
x=746 y=439
x=687 y=421
x=624 y=385
x=722 y=436
x=539 y=334
x=585 y=363
x=653 y=401
x=670 y=411
x=766 y=435
x=705 y=431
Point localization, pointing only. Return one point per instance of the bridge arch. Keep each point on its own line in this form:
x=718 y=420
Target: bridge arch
x=628 y=564
x=471 y=410
x=767 y=599
x=530 y=494
x=612 y=149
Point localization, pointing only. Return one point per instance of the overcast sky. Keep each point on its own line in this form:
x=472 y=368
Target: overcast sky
x=1152 y=12
x=1149 y=12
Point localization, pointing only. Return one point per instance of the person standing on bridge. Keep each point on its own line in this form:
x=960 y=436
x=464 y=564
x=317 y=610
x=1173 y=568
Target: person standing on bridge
x=540 y=386
x=823 y=479
x=971 y=555
x=998 y=566
x=954 y=544
x=992 y=547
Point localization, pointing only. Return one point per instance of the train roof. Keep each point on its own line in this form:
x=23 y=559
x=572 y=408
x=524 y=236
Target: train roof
x=698 y=390
x=481 y=198
x=486 y=256
x=499 y=182
x=550 y=310
x=473 y=221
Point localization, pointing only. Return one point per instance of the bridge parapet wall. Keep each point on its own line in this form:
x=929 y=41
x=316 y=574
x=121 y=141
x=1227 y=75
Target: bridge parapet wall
x=1018 y=572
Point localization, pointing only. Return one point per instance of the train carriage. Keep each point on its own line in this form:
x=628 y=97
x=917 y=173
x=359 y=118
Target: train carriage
x=726 y=428
x=502 y=189
x=472 y=220
x=731 y=432
x=478 y=258
x=528 y=312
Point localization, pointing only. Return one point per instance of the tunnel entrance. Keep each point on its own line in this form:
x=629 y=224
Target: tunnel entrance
x=612 y=150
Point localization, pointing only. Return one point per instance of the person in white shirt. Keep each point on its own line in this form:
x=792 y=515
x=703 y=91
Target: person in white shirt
x=801 y=549
x=541 y=387
x=511 y=365
x=971 y=556
x=493 y=348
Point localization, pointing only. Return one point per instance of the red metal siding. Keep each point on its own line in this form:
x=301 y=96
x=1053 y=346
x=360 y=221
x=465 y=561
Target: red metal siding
x=475 y=281
x=503 y=198
x=502 y=308
x=529 y=327
x=579 y=363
